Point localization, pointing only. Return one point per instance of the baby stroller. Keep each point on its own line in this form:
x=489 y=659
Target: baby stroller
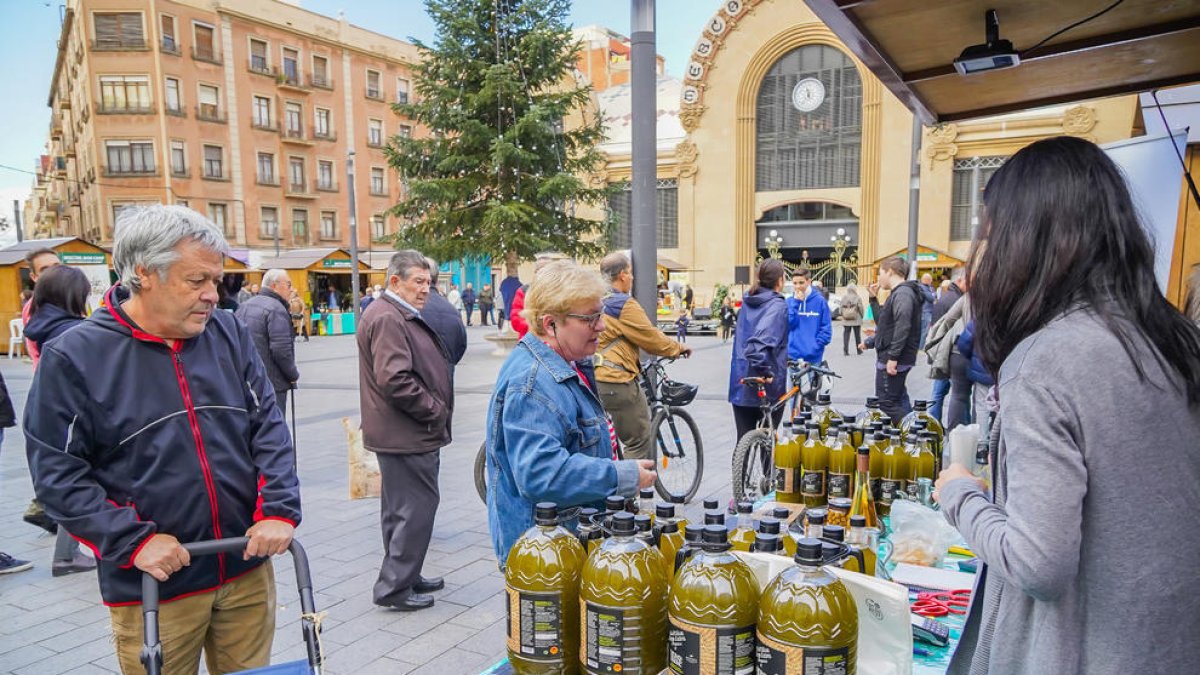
x=152 y=656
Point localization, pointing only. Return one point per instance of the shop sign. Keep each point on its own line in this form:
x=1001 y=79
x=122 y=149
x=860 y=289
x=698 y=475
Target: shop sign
x=70 y=258
x=341 y=263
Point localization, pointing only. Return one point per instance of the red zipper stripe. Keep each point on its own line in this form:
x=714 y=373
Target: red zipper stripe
x=209 y=484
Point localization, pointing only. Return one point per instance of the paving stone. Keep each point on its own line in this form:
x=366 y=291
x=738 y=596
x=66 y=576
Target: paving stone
x=431 y=644
x=72 y=658
x=484 y=613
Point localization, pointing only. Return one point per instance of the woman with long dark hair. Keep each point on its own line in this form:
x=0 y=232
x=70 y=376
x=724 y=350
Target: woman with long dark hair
x=59 y=304
x=1093 y=453
x=760 y=345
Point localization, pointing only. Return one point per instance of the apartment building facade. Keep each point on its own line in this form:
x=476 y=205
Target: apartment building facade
x=245 y=111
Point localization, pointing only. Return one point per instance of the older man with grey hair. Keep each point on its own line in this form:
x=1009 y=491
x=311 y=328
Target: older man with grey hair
x=153 y=424
x=270 y=323
x=404 y=385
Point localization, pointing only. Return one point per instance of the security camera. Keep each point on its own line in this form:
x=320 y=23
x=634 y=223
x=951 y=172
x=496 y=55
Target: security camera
x=992 y=55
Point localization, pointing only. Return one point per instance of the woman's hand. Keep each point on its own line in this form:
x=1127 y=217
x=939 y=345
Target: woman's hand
x=646 y=473
x=954 y=472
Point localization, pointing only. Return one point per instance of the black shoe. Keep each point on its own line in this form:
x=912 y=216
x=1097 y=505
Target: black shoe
x=80 y=563
x=412 y=603
x=428 y=585
x=43 y=521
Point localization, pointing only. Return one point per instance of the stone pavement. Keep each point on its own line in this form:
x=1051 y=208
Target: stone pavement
x=57 y=625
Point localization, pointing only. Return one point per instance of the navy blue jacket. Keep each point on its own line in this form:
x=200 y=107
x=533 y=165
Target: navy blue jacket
x=447 y=323
x=759 y=346
x=49 y=322
x=270 y=322
x=128 y=437
x=976 y=372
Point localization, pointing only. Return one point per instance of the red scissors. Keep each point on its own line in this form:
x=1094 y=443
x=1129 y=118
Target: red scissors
x=943 y=603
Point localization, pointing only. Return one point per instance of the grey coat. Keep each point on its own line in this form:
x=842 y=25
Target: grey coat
x=1088 y=548
x=270 y=323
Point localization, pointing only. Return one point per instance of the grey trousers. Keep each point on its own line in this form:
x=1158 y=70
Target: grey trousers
x=626 y=402
x=407 y=504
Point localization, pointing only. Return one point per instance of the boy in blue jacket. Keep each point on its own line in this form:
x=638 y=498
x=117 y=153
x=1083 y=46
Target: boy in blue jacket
x=810 y=326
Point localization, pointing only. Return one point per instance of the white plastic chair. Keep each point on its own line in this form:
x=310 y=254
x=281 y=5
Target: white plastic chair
x=16 y=337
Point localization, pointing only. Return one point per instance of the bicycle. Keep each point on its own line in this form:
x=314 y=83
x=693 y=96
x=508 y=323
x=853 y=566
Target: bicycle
x=679 y=452
x=754 y=456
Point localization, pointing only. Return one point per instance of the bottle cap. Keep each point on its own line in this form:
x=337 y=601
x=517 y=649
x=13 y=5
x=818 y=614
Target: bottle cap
x=808 y=552
x=714 y=517
x=816 y=517
x=631 y=505
x=920 y=406
x=710 y=504
x=893 y=433
x=834 y=532
x=813 y=425
x=822 y=399
x=642 y=522
x=767 y=543
x=864 y=450
x=804 y=416
x=676 y=499
x=872 y=402
x=587 y=515
x=622 y=523
x=745 y=507
x=669 y=527
x=782 y=513
x=545 y=513
x=664 y=511
x=879 y=435
x=648 y=493
x=858 y=521
x=714 y=538
x=614 y=503
x=693 y=532
x=768 y=526
x=830 y=552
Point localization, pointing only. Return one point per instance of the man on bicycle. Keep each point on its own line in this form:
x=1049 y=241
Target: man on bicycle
x=627 y=329
x=809 y=325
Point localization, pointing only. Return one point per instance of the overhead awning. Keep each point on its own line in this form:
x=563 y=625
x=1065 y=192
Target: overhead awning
x=911 y=45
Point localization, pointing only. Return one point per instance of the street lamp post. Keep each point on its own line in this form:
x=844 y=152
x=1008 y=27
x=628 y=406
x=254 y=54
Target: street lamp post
x=838 y=261
x=774 y=244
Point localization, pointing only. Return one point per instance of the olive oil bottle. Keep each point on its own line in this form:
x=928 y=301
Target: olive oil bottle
x=542 y=583
x=712 y=611
x=670 y=540
x=646 y=503
x=664 y=512
x=814 y=460
x=765 y=542
x=841 y=463
x=838 y=533
x=691 y=543
x=774 y=526
x=866 y=540
x=877 y=444
x=742 y=536
x=787 y=466
x=807 y=620
x=587 y=528
x=712 y=511
x=622 y=603
x=863 y=421
x=645 y=529
x=895 y=472
x=784 y=516
x=823 y=413
x=932 y=424
x=920 y=464
x=862 y=504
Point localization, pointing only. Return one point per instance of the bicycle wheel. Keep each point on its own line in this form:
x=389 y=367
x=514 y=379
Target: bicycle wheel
x=680 y=453
x=481 y=472
x=753 y=466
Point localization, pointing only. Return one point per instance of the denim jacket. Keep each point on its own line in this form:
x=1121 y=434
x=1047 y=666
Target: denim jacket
x=547 y=440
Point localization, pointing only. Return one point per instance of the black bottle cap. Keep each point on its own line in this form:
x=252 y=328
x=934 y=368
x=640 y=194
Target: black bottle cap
x=745 y=507
x=646 y=494
x=664 y=511
x=920 y=406
x=864 y=450
x=782 y=513
x=768 y=526
x=879 y=435
x=808 y=552
x=893 y=433
x=692 y=533
x=669 y=526
x=835 y=423
x=588 y=515
x=872 y=402
x=858 y=521
x=545 y=513
x=886 y=420
x=622 y=523
x=823 y=399
x=834 y=532
x=767 y=543
x=920 y=425
x=816 y=516
x=710 y=504
x=642 y=522
x=714 y=517
x=714 y=538
x=676 y=499
x=614 y=503
x=830 y=552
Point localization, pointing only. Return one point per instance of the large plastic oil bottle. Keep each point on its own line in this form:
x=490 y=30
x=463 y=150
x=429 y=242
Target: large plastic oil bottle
x=807 y=620
x=622 y=598
x=712 y=611
x=542 y=584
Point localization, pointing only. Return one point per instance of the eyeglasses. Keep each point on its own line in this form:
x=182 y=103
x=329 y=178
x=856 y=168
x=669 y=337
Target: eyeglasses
x=590 y=319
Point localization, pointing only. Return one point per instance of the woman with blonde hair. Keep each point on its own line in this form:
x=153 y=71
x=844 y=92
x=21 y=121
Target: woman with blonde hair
x=548 y=437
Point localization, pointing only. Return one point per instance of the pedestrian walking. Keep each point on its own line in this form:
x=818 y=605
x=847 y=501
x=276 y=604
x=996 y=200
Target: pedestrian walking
x=955 y=287
x=897 y=335
x=810 y=325
x=487 y=303
x=173 y=436
x=269 y=321
x=468 y=300
x=1098 y=384
x=728 y=317
x=689 y=298
x=39 y=261
x=8 y=419
x=407 y=402
x=454 y=297
x=301 y=319
x=929 y=294
x=760 y=346
x=851 y=312
x=681 y=327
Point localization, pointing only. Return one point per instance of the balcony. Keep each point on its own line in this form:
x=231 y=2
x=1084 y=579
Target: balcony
x=320 y=82
x=374 y=94
x=327 y=186
x=206 y=53
x=180 y=173
x=209 y=112
x=374 y=142
x=294 y=136
x=290 y=81
x=263 y=125
x=175 y=112
x=129 y=44
x=109 y=172
x=112 y=108
x=324 y=136
x=258 y=65
x=269 y=181
x=168 y=45
x=301 y=190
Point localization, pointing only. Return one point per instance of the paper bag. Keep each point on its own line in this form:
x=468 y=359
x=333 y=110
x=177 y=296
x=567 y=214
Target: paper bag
x=364 y=466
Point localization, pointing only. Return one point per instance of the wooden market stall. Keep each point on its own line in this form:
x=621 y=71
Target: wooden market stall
x=322 y=277
x=931 y=260
x=96 y=262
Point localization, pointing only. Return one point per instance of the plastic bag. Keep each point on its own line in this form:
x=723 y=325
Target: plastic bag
x=920 y=535
x=960 y=445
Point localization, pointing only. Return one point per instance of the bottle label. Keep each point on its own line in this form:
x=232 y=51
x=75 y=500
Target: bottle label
x=780 y=658
x=785 y=479
x=887 y=490
x=603 y=638
x=812 y=483
x=535 y=625
x=704 y=650
x=839 y=485
x=874 y=490
x=912 y=490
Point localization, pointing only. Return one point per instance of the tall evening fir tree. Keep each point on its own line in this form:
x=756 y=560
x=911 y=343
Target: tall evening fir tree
x=499 y=173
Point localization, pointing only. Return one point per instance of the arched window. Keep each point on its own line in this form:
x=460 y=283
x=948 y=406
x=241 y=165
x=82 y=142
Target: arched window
x=809 y=115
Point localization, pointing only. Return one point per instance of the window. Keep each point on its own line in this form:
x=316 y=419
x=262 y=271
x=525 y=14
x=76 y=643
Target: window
x=401 y=90
x=378 y=230
x=293 y=116
x=181 y=202
x=322 y=128
x=296 y=174
x=266 y=168
x=299 y=224
x=214 y=159
x=208 y=108
x=375 y=133
x=320 y=74
x=268 y=223
x=325 y=175
x=178 y=158
x=373 y=88
x=377 y=186
x=169 y=43
x=174 y=100
x=291 y=66
x=203 y=45
x=798 y=150
x=118 y=30
x=129 y=157
x=328 y=225
x=125 y=94
x=406 y=131
x=258 y=56
x=666 y=210
x=971 y=176
x=262 y=112
x=217 y=213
